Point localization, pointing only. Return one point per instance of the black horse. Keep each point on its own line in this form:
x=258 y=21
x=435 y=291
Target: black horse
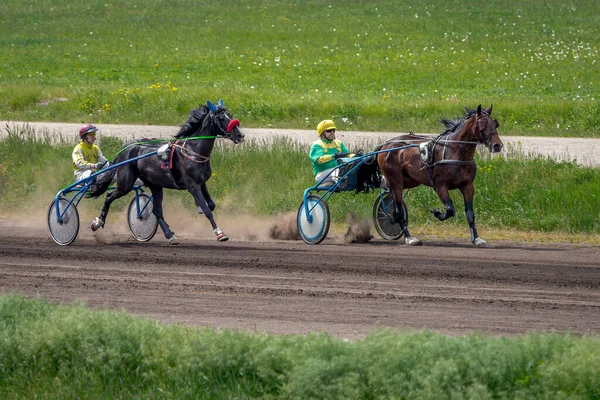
x=183 y=164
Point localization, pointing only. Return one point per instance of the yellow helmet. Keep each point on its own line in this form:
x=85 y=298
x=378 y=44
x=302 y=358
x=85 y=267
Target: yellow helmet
x=325 y=125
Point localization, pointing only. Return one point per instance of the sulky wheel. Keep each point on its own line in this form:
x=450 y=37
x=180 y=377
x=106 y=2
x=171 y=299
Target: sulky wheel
x=315 y=231
x=383 y=209
x=141 y=221
x=63 y=230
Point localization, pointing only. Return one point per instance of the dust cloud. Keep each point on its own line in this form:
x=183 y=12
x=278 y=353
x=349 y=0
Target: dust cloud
x=31 y=219
x=285 y=227
x=358 y=231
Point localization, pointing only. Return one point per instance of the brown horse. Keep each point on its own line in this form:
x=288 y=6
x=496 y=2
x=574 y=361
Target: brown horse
x=444 y=163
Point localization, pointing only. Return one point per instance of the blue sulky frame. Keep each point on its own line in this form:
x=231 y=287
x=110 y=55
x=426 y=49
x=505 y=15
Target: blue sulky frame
x=313 y=215
x=63 y=219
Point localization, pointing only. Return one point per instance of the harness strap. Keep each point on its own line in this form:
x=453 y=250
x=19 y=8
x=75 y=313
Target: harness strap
x=202 y=159
x=430 y=163
x=168 y=170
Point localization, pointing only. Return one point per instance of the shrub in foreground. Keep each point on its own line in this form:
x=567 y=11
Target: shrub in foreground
x=69 y=351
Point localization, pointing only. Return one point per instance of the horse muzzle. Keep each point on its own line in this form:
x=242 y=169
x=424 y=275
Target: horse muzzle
x=496 y=147
x=236 y=135
x=238 y=139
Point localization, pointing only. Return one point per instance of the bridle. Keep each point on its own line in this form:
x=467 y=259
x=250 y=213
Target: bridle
x=480 y=128
x=224 y=132
x=219 y=113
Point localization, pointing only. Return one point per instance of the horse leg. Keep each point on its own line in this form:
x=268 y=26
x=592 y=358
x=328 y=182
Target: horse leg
x=398 y=216
x=157 y=199
x=209 y=201
x=468 y=194
x=198 y=194
x=445 y=198
x=98 y=222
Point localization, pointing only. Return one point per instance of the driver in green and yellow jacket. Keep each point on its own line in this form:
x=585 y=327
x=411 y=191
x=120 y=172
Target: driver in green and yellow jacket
x=325 y=152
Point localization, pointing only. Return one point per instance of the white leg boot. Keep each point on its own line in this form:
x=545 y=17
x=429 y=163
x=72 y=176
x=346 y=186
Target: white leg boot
x=97 y=223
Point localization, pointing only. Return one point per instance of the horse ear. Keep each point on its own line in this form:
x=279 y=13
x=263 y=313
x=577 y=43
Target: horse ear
x=221 y=103
x=489 y=110
x=211 y=106
x=479 y=110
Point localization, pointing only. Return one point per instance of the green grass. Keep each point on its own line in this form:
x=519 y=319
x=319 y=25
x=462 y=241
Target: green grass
x=511 y=193
x=377 y=65
x=52 y=351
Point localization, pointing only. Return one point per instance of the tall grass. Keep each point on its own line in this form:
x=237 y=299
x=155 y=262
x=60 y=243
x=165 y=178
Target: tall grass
x=377 y=65
x=259 y=178
x=54 y=351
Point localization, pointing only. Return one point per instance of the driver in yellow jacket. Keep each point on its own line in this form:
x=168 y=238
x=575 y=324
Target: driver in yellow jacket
x=87 y=157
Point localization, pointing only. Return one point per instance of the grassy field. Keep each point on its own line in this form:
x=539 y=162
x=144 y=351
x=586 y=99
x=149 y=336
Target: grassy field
x=49 y=351
x=377 y=65
x=513 y=194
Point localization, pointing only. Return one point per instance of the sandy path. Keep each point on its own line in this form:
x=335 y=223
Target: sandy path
x=583 y=151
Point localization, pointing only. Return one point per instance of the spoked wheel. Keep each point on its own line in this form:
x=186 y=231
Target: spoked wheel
x=63 y=232
x=383 y=210
x=315 y=231
x=142 y=226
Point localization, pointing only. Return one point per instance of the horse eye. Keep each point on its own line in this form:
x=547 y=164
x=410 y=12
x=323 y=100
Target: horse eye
x=497 y=123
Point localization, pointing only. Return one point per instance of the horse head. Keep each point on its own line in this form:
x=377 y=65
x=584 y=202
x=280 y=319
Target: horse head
x=485 y=130
x=223 y=123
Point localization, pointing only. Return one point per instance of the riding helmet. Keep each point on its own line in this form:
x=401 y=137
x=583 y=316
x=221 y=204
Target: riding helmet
x=325 y=125
x=89 y=128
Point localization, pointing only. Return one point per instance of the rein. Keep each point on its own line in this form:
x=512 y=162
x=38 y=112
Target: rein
x=452 y=162
x=151 y=142
x=439 y=141
x=432 y=143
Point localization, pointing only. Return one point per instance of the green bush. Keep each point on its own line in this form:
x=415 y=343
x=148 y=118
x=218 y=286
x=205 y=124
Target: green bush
x=69 y=351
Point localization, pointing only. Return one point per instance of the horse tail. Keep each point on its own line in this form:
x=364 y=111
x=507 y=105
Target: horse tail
x=103 y=182
x=372 y=159
x=369 y=174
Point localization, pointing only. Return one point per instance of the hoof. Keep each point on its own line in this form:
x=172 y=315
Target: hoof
x=479 y=242
x=200 y=211
x=383 y=183
x=97 y=224
x=222 y=238
x=173 y=241
x=413 y=241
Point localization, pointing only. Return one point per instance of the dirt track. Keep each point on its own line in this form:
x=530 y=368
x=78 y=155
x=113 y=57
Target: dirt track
x=291 y=287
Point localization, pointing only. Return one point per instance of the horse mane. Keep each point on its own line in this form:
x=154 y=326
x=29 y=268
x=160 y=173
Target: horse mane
x=194 y=122
x=453 y=124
